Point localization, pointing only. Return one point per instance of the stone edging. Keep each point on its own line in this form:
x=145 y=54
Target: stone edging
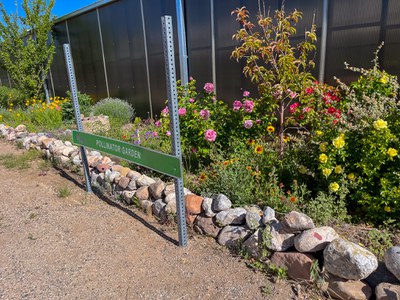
x=295 y=243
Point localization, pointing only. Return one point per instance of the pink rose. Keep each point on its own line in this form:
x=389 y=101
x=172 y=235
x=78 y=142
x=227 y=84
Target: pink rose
x=306 y=109
x=168 y=133
x=248 y=124
x=165 y=111
x=248 y=106
x=190 y=78
x=210 y=135
x=237 y=105
x=157 y=123
x=293 y=107
x=182 y=111
x=191 y=100
x=155 y=134
x=209 y=88
x=292 y=94
x=246 y=93
x=205 y=114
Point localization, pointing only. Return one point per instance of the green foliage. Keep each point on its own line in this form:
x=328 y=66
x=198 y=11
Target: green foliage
x=85 y=105
x=64 y=191
x=119 y=111
x=22 y=161
x=379 y=240
x=10 y=97
x=27 y=47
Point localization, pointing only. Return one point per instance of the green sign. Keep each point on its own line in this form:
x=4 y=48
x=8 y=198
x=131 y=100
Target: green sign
x=157 y=161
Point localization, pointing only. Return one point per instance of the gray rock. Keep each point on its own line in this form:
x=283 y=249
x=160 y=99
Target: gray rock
x=392 y=260
x=169 y=189
x=277 y=238
x=144 y=180
x=252 y=244
x=207 y=207
x=387 y=291
x=76 y=160
x=231 y=236
x=132 y=185
x=234 y=216
x=21 y=135
x=206 y=226
x=157 y=188
x=93 y=180
x=20 y=128
x=170 y=208
x=221 y=203
x=133 y=175
x=170 y=198
x=296 y=221
x=110 y=175
x=253 y=219
x=67 y=151
x=268 y=215
x=68 y=143
x=95 y=153
x=159 y=208
x=381 y=274
x=340 y=288
x=349 y=260
x=316 y=239
x=128 y=197
x=61 y=160
x=147 y=205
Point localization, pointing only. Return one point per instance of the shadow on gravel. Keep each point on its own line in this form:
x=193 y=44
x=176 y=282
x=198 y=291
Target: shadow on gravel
x=119 y=206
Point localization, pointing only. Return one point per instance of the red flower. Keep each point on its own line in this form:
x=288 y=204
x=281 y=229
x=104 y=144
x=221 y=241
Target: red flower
x=309 y=90
x=331 y=110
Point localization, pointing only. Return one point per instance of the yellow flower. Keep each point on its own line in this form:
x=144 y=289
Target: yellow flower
x=326 y=172
x=259 y=149
x=351 y=176
x=248 y=168
x=384 y=79
x=322 y=147
x=334 y=187
x=323 y=158
x=338 y=169
x=391 y=152
x=338 y=142
x=387 y=209
x=286 y=138
x=271 y=129
x=202 y=177
x=226 y=162
x=251 y=142
x=380 y=124
x=256 y=173
x=318 y=132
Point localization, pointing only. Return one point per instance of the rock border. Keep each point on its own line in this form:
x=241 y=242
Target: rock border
x=294 y=241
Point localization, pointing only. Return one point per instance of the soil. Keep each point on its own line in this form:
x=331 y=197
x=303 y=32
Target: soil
x=91 y=247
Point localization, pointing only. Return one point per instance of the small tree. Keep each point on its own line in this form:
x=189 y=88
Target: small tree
x=280 y=69
x=27 y=47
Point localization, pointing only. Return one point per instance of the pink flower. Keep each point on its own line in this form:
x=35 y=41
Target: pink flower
x=258 y=121
x=309 y=90
x=248 y=106
x=168 y=133
x=210 y=135
x=165 y=111
x=190 y=78
x=293 y=107
x=195 y=111
x=209 y=88
x=248 y=124
x=157 y=123
x=246 y=93
x=205 y=114
x=306 y=109
x=292 y=94
x=237 y=105
x=194 y=149
x=155 y=134
x=191 y=100
x=182 y=111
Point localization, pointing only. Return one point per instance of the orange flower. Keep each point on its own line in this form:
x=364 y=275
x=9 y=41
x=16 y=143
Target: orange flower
x=259 y=149
x=226 y=162
x=202 y=177
x=292 y=199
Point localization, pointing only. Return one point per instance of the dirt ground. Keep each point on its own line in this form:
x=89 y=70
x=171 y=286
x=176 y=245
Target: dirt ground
x=88 y=247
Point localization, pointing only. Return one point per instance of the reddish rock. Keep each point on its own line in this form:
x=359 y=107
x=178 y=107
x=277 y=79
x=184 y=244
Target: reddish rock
x=143 y=193
x=102 y=167
x=193 y=204
x=207 y=226
x=298 y=265
x=123 y=182
x=340 y=288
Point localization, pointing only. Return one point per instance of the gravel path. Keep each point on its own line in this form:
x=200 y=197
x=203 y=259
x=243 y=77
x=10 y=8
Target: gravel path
x=81 y=247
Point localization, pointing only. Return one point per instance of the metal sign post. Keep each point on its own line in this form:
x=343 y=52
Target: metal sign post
x=174 y=122
x=72 y=85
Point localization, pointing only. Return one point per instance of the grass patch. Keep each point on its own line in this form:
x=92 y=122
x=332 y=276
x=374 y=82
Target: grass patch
x=22 y=161
x=64 y=192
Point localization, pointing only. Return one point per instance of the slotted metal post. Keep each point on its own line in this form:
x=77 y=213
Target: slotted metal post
x=169 y=55
x=72 y=85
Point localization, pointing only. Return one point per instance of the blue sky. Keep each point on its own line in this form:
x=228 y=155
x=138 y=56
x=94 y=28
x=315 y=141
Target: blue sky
x=61 y=7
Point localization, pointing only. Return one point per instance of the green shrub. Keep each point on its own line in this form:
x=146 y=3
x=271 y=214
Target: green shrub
x=85 y=105
x=10 y=97
x=117 y=110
